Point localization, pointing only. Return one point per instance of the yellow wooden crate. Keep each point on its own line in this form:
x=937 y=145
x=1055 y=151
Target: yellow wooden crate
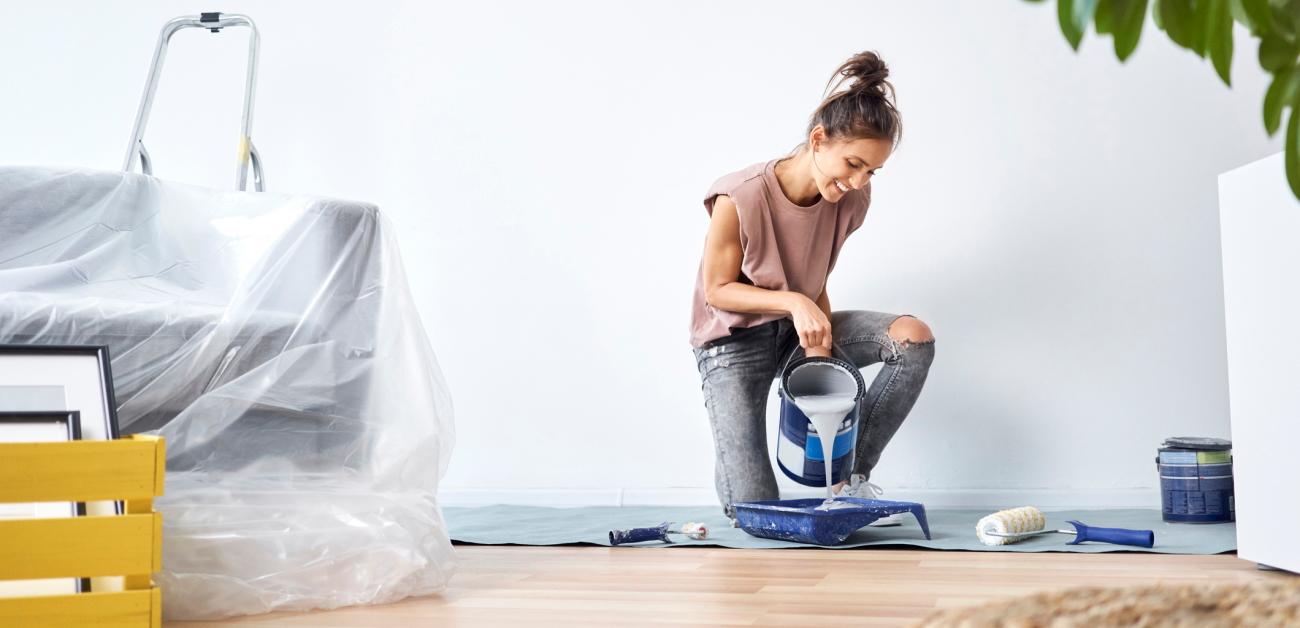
x=130 y=545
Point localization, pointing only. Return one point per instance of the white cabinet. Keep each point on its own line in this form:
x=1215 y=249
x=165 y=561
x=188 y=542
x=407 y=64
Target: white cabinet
x=1260 y=234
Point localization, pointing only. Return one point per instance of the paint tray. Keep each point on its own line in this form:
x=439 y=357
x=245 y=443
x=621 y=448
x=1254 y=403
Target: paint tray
x=799 y=520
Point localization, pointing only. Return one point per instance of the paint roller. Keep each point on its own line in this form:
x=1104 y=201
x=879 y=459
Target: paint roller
x=692 y=530
x=1009 y=526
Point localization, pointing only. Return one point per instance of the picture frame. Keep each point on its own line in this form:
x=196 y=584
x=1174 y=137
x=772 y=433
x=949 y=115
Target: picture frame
x=39 y=426
x=36 y=377
x=61 y=377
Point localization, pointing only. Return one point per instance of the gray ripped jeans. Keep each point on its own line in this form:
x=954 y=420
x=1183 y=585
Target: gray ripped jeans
x=737 y=372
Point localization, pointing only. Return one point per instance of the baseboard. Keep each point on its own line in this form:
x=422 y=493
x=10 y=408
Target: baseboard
x=978 y=499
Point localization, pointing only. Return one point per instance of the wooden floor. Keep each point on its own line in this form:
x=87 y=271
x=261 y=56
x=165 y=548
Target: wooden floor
x=595 y=586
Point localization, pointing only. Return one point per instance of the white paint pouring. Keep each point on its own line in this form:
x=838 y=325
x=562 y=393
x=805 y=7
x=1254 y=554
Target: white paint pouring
x=823 y=391
x=827 y=412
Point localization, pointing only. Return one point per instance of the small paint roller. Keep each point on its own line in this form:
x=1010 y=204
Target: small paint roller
x=694 y=531
x=1009 y=526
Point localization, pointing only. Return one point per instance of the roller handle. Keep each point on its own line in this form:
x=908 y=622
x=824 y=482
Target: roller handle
x=1118 y=536
x=637 y=535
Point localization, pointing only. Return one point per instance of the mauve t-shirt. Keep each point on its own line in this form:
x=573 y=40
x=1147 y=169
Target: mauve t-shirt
x=785 y=246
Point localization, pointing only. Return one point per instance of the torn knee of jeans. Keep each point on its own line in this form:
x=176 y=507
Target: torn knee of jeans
x=890 y=351
x=912 y=326
x=907 y=342
x=896 y=347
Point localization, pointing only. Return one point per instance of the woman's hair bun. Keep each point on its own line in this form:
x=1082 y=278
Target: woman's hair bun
x=867 y=73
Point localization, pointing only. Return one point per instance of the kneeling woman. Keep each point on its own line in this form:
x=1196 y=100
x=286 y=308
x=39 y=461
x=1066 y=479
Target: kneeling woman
x=775 y=231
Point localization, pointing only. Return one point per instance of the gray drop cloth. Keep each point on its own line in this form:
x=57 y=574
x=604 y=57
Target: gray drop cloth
x=949 y=529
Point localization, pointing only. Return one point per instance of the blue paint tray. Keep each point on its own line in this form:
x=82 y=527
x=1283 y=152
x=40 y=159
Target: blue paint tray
x=799 y=520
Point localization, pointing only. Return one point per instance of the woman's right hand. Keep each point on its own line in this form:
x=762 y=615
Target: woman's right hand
x=810 y=322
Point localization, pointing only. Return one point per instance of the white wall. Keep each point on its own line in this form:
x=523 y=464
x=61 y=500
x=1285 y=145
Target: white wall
x=1050 y=214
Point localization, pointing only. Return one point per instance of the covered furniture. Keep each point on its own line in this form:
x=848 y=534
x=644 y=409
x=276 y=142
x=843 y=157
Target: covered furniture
x=272 y=340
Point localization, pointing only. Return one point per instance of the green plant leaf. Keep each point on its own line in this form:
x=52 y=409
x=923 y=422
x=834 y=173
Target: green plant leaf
x=1106 y=10
x=1128 y=17
x=1254 y=15
x=1281 y=93
x=1293 y=152
x=1065 y=17
x=1218 y=37
x=1283 y=13
x=1203 y=10
x=1178 y=20
x=1276 y=53
x=1074 y=16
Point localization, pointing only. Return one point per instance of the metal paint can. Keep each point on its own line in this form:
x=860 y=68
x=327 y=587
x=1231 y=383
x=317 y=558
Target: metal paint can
x=798 y=449
x=1196 y=480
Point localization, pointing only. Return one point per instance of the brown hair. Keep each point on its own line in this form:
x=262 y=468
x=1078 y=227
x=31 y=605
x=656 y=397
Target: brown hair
x=866 y=109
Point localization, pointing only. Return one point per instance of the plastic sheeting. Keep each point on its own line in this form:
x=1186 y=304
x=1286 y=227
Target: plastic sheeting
x=272 y=340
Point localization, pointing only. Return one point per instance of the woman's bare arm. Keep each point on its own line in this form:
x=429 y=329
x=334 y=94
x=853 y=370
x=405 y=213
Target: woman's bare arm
x=824 y=303
x=722 y=254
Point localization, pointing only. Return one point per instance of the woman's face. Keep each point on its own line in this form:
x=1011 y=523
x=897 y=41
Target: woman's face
x=844 y=165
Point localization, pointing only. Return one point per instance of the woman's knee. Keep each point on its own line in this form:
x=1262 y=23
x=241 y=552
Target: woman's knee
x=906 y=330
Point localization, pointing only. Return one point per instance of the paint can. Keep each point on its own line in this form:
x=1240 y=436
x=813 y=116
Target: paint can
x=798 y=448
x=1196 y=480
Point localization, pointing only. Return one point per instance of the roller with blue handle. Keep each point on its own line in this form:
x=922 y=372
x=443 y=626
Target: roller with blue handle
x=692 y=530
x=1009 y=526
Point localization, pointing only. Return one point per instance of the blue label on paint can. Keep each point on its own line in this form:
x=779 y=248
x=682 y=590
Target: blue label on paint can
x=1216 y=483
x=1198 y=503
x=1178 y=471
x=1180 y=484
x=1215 y=470
x=843 y=442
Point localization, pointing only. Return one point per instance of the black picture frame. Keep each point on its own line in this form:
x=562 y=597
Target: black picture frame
x=71 y=419
x=100 y=352
x=106 y=407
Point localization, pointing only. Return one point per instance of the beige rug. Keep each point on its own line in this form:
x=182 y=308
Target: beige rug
x=1264 y=603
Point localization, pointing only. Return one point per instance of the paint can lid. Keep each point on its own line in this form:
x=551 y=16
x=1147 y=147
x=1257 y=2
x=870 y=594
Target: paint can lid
x=1200 y=443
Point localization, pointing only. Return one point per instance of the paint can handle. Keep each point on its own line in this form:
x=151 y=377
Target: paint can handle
x=797 y=349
